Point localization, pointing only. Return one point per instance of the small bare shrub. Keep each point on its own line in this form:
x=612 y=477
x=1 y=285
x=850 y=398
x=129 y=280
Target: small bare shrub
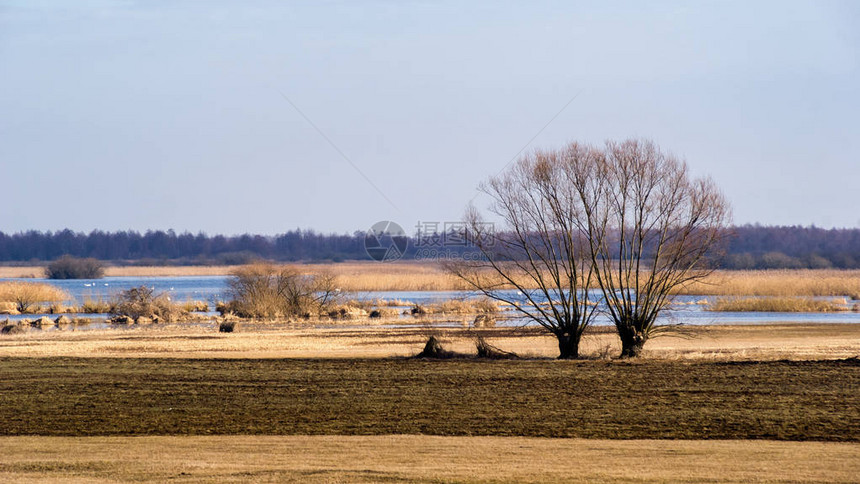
x=228 y=326
x=264 y=290
x=141 y=301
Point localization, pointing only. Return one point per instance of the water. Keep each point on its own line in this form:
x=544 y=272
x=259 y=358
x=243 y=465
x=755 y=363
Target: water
x=181 y=289
x=215 y=288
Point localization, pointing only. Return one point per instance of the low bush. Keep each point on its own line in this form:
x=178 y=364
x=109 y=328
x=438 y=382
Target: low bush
x=142 y=302
x=68 y=267
x=265 y=290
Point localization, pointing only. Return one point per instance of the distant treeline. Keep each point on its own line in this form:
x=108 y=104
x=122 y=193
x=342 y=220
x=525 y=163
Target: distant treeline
x=750 y=247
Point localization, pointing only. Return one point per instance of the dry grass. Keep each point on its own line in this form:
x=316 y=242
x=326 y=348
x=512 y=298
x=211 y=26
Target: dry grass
x=267 y=340
x=400 y=276
x=775 y=304
x=95 y=306
x=804 y=282
x=418 y=458
x=194 y=306
x=27 y=295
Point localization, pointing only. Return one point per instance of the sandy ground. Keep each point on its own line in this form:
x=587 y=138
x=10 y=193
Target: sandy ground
x=272 y=340
x=411 y=458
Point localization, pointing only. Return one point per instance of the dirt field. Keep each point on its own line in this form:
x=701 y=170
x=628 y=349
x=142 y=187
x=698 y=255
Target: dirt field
x=136 y=405
x=807 y=400
x=414 y=458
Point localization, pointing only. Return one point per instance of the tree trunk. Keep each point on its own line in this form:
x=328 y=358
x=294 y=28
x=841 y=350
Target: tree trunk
x=631 y=343
x=568 y=346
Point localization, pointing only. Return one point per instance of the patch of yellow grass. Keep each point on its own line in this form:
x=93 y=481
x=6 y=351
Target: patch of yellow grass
x=270 y=340
x=801 y=282
x=414 y=458
x=27 y=295
x=774 y=304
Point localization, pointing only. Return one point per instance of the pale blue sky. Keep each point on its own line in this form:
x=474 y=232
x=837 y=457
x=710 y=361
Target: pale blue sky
x=163 y=114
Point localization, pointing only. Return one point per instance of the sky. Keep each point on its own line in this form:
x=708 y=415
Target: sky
x=262 y=117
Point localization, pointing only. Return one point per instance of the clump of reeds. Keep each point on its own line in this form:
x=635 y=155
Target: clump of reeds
x=95 y=306
x=383 y=312
x=195 y=306
x=59 y=308
x=28 y=295
x=345 y=311
x=461 y=306
x=774 y=304
x=391 y=303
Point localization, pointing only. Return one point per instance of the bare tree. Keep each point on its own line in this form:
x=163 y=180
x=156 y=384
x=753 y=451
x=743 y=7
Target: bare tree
x=539 y=260
x=651 y=229
x=627 y=219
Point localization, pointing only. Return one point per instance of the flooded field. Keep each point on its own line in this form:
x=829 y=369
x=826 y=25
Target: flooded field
x=686 y=309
